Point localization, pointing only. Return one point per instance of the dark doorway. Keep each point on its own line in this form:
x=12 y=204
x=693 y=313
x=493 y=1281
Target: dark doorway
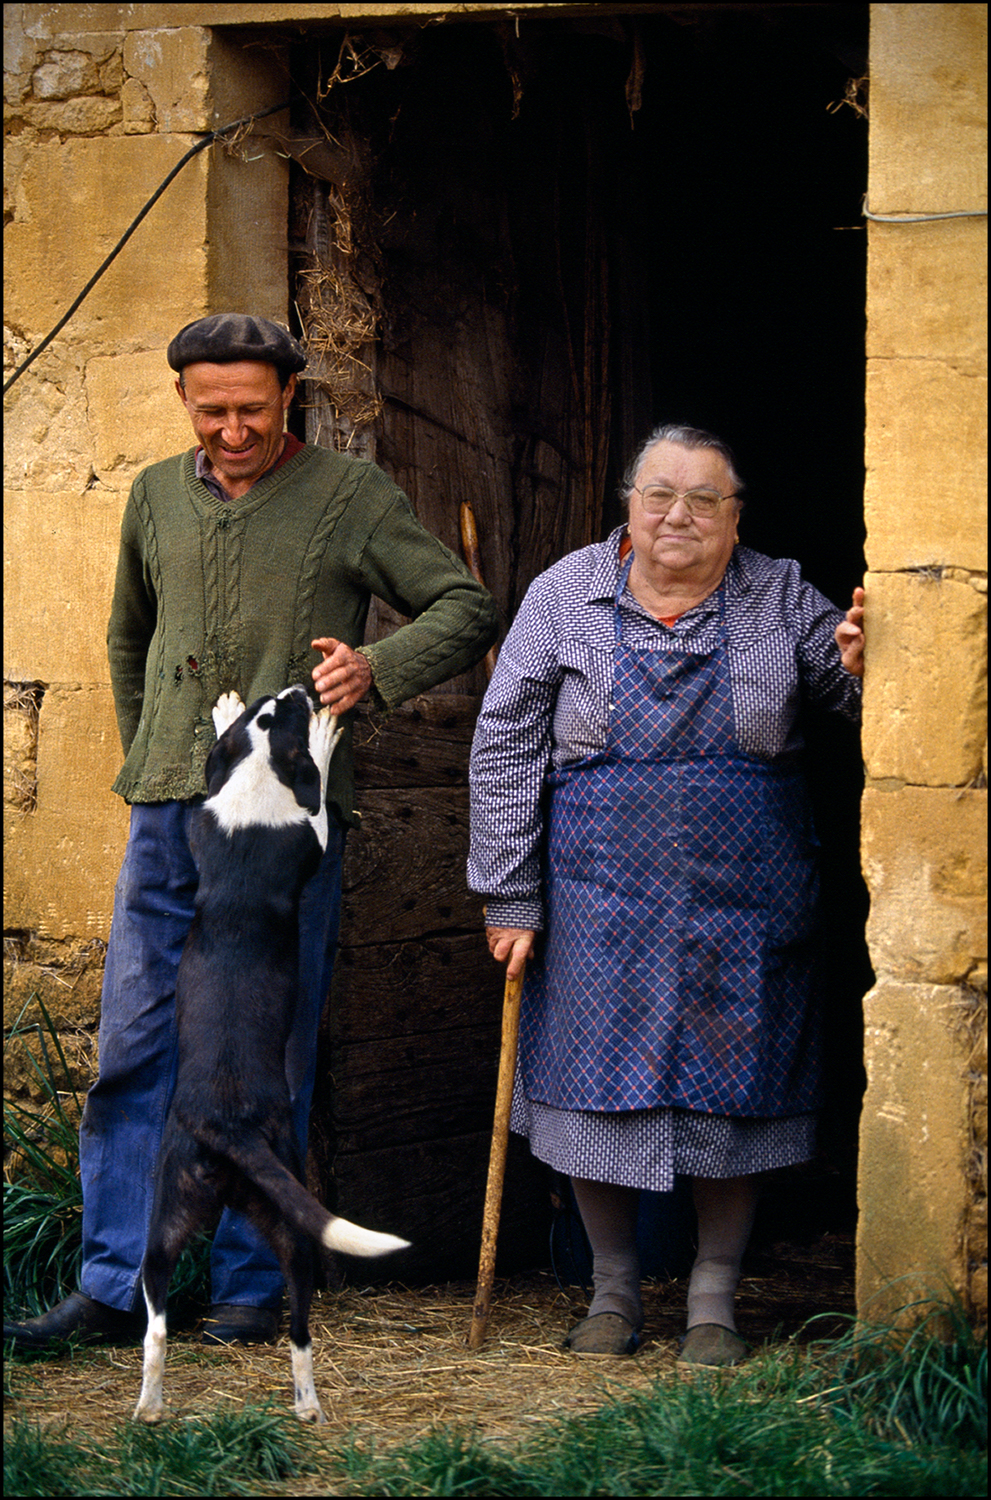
x=564 y=232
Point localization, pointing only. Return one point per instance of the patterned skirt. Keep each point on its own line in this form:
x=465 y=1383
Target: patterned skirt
x=648 y=1148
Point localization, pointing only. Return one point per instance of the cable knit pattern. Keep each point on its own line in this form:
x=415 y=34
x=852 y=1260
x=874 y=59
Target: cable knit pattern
x=215 y=595
x=309 y=577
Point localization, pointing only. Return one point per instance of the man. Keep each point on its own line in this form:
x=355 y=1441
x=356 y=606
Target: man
x=247 y=563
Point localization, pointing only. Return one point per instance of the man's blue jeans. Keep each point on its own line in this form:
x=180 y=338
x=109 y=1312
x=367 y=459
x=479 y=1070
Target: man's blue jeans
x=125 y=1110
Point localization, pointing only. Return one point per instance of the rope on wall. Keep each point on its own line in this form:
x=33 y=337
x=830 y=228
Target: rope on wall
x=208 y=140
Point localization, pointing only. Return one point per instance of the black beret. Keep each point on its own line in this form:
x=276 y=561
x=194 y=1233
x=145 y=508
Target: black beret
x=225 y=337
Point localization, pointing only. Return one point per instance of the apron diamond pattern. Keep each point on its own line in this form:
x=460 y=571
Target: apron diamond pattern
x=681 y=886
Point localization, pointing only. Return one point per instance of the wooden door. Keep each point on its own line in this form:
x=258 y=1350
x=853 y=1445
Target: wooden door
x=453 y=278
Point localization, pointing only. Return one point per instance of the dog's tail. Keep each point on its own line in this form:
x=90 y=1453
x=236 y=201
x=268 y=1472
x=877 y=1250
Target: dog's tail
x=256 y=1159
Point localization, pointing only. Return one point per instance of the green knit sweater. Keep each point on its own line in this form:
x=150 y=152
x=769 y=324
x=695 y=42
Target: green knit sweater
x=213 y=596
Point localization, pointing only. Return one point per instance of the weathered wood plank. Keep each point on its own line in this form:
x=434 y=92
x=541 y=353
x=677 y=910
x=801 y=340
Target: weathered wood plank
x=425 y=742
x=407 y=989
x=404 y=873
x=387 y=1093
x=433 y=1193
x=412 y=1040
x=411 y=1045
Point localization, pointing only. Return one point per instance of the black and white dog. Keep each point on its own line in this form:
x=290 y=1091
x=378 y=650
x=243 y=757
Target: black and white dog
x=228 y=1137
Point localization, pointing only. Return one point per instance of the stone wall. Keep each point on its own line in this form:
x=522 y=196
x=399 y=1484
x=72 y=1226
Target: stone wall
x=100 y=104
x=923 y=1186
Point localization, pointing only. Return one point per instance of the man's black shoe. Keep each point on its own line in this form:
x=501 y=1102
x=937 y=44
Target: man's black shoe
x=79 y=1317
x=232 y=1323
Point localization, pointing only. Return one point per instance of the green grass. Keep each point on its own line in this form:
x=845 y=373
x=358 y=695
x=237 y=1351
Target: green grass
x=42 y=1196
x=227 y=1454
x=864 y=1415
x=928 y=1382
x=875 y=1412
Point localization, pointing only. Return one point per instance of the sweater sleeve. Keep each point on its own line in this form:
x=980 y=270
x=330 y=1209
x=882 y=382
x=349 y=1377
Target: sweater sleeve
x=132 y=624
x=453 y=619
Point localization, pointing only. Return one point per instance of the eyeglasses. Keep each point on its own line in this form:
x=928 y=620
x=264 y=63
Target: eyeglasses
x=657 y=502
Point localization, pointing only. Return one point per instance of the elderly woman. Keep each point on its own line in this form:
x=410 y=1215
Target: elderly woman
x=637 y=798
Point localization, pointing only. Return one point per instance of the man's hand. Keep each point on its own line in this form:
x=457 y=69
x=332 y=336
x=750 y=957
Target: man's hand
x=512 y=943
x=850 y=636
x=344 y=676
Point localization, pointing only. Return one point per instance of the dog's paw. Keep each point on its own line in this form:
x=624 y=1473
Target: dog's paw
x=227 y=708
x=149 y=1413
x=325 y=731
x=310 y=1413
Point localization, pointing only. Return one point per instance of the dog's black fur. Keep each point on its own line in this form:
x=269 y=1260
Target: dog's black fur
x=228 y=1138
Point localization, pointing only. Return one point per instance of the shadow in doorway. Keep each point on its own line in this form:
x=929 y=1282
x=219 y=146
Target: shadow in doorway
x=551 y=272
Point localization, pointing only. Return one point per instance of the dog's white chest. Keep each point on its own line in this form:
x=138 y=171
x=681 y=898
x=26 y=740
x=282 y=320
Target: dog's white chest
x=254 y=797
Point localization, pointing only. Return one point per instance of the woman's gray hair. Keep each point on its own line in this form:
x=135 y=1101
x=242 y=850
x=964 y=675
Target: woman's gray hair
x=685 y=437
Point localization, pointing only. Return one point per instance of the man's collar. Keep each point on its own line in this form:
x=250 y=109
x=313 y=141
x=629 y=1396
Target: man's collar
x=206 y=471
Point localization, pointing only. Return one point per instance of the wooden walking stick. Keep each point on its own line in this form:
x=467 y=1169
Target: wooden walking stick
x=507 y=1053
x=473 y=557
x=497 y=1159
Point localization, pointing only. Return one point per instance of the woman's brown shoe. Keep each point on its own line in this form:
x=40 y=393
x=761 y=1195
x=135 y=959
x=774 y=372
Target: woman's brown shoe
x=604 y=1333
x=711 y=1344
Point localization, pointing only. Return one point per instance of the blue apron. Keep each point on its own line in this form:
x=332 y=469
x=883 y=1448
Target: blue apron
x=678 y=966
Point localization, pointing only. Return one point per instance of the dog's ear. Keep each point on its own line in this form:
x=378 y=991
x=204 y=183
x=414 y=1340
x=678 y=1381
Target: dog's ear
x=306 y=782
x=219 y=762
